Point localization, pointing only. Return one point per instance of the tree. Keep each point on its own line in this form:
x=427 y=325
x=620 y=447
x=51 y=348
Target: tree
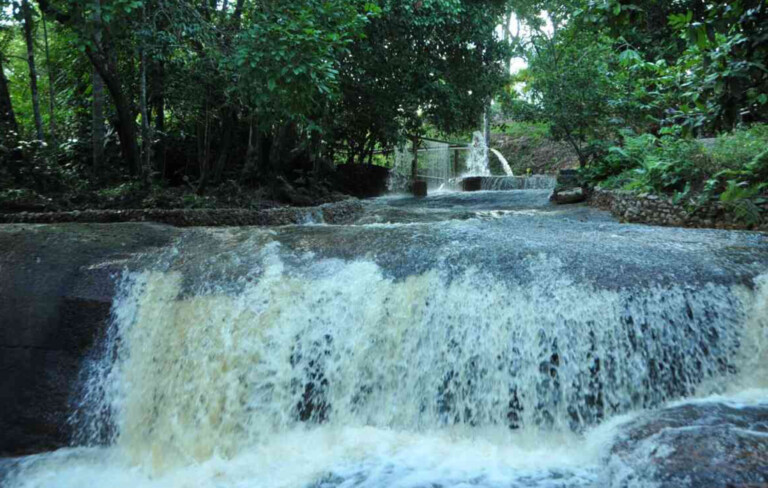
x=571 y=81
x=51 y=90
x=8 y=125
x=419 y=63
x=29 y=28
x=98 y=130
x=103 y=55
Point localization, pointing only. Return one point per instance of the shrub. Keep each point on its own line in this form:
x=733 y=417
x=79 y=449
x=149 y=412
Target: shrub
x=736 y=149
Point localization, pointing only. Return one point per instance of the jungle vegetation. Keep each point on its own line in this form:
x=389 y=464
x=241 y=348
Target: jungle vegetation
x=104 y=99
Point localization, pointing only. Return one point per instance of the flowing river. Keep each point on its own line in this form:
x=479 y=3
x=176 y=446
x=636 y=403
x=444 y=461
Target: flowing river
x=482 y=339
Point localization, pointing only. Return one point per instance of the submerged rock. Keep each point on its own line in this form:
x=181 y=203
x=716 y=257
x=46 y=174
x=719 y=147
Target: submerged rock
x=694 y=445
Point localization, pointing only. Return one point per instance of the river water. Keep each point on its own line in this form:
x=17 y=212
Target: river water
x=479 y=339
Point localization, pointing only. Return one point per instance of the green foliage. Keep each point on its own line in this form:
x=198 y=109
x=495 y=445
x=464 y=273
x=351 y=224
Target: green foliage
x=287 y=61
x=537 y=131
x=420 y=66
x=569 y=82
x=739 y=148
x=687 y=169
x=39 y=167
x=695 y=66
x=648 y=164
x=201 y=93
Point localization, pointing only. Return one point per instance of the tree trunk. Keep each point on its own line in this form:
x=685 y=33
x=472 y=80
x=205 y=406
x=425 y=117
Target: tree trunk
x=101 y=53
x=158 y=101
x=51 y=91
x=229 y=125
x=146 y=136
x=8 y=126
x=126 y=125
x=98 y=130
x=126 y=119
x=251 y=155
x=487 y=132
x=26 y=11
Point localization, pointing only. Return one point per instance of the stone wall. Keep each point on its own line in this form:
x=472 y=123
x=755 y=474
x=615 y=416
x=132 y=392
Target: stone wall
x=655 y=210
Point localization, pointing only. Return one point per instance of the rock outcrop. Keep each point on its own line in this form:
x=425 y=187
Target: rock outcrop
x=568 y=195
x=713 y=445
x=56 y=289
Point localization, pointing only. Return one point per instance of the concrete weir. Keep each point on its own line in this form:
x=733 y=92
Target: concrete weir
x=503 y=183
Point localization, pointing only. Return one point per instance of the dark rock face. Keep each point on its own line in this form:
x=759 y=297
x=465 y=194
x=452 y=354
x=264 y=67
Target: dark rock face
x=420 y=189
x=472 y=183
x=696 y=445
x=56 y=290
x=362 y=180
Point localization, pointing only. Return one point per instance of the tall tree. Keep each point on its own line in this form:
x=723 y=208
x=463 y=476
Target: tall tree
x=29 y=37
x=8 y=124
x=98 y=129
x=51 y=89
x=104 y=56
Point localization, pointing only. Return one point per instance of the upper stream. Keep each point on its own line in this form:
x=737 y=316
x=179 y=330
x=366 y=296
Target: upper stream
x=483 y=339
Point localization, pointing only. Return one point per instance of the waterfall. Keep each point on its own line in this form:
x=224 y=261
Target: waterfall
x=275 y=364
x=435 y=166
x=209 y=372
x=504 y=163
x=532 y=182
x=477 y=161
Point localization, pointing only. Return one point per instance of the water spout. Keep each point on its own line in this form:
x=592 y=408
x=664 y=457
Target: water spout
x=504 y=163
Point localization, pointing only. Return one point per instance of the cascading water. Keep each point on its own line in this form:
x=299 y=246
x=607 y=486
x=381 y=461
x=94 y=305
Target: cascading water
x=504 y=163
x=477 y=161
x=283 y=365
x=436 y=166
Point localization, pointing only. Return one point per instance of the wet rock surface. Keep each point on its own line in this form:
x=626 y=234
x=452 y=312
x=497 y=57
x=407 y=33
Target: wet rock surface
x=712 y=445
x=56 y=289
x=57 y=281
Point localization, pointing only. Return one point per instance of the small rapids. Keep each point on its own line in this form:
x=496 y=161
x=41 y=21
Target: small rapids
x=295 y=368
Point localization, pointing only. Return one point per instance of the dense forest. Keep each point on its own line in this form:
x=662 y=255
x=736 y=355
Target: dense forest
x=134 y=100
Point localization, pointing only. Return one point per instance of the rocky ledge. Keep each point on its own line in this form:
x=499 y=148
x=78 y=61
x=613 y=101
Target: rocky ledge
x=343 y=212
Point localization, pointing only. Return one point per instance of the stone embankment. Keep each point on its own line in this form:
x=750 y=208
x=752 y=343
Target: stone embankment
x=343 y=212
x=650 y=209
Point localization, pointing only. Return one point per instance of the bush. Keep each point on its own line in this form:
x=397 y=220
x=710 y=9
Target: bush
x=734 y=170
x=674 y=166
x=737 y=149
x=537 y=131
x=37 y=166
